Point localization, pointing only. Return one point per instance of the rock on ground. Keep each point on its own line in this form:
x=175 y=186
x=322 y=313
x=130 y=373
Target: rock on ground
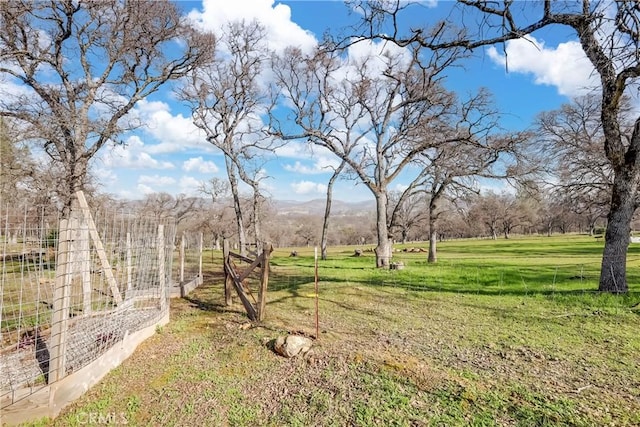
x=292 y=345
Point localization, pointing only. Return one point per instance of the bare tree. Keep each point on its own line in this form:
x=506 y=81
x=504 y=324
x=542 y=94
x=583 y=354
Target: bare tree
x=468 y=147
x=609 y=33
x=572 y=140
x=83 y=65
x=17 y=166
x=486 y=209
x=408 y=213
x=367 y=111
x=164 y=205
x=227 y=98
x=214 y=219
x=327 y=210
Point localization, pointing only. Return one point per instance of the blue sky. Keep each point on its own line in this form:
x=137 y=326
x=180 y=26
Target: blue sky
x=170 y=155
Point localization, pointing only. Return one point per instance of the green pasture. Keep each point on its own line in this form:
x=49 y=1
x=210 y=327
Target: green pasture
x=497 y=333
x=556 y=266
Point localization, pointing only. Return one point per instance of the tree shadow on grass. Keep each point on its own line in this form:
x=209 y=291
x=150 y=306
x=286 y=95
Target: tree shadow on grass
x=297 y=280
x=566 y=291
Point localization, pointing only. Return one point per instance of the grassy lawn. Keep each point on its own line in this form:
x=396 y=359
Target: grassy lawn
x=496 y=333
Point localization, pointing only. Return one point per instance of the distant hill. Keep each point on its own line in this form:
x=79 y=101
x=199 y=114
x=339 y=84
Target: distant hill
x=316 y=207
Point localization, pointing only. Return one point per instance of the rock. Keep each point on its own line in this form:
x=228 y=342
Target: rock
x=397 y=265
x=292 y=345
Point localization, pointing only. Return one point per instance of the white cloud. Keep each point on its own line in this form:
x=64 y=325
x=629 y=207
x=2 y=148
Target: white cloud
x=176 y=133
x=189 y=185
x=294 y=149
x=156 y=180
x=145 y=189
x=308 y=187
x=104 y=174
x=322 y=164
x=133 y=155
x=400 y=187
x=281 y=31
x=198 y=164
x=566 y=67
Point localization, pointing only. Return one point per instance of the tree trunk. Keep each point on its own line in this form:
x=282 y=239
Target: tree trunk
x=433 y=238
x=383 y=250
x=433 y=233
x=493 y=231
x=75 y=175
x=613 y=275
x=233 y=184
x=327 y=211
x=257 y=230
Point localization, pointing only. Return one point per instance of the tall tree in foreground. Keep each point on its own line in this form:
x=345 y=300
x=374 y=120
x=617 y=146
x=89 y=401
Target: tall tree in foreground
x=609 y=33
x=80 y=66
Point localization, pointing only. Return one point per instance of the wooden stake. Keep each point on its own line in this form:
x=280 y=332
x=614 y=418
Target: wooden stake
x=316 y=291
x=129 y=263
x=182 y=246
x=97 y=243
x=61 y=306
x=161 y=267
x=200 y=249
x=228 y=282
x=267 y=248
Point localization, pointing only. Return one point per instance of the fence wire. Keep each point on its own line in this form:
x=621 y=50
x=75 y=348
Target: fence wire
x=112 y=272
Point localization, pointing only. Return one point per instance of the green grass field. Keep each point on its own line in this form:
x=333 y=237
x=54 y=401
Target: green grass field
x=496 y=333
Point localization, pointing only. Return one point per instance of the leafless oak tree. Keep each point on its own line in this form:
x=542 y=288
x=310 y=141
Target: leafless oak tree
x=469 y=147
x=609 y=33
x=327 y=210
x=214 y=220
x=370 y=110
x=408 y=214
x=226 y=98
x=572 y=140
x=80 y=66
x=163 y=205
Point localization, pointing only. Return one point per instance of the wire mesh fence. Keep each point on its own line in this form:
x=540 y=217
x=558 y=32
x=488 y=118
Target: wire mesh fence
x=70 y=289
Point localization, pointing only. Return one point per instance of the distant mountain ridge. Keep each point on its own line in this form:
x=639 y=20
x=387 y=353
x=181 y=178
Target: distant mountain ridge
x=317 y=206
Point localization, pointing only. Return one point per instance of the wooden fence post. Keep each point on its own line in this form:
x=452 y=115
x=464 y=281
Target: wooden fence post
x=228 y=285
x=80 y=255
x=200 y=255
x=61 y=306
x=183 y=292
x=182 y=247
x=161 y=267
x=129 y=263
x=267 y=248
